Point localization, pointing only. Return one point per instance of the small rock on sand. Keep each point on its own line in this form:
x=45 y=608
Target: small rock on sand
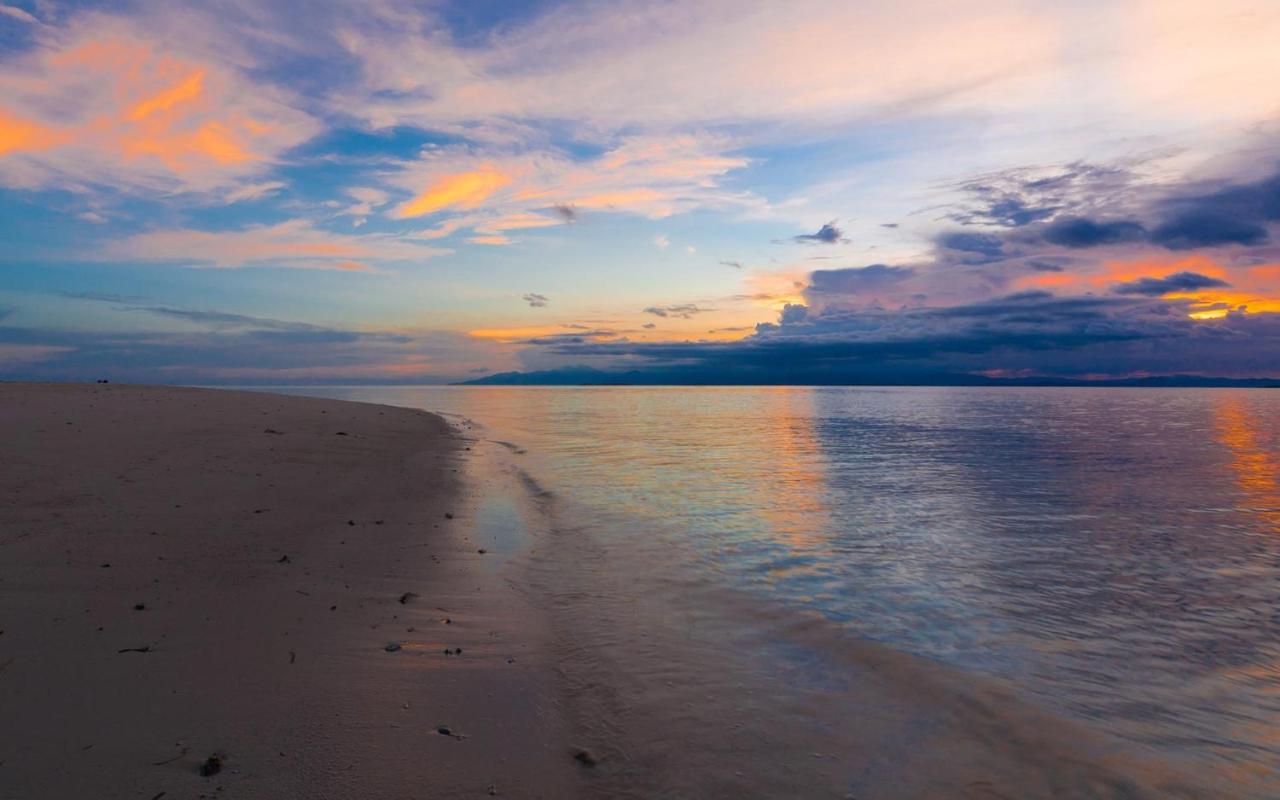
x=585 y=757
x=392 y=647
x=211 y=766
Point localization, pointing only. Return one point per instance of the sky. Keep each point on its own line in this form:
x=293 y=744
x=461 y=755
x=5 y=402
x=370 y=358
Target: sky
x=234 y=192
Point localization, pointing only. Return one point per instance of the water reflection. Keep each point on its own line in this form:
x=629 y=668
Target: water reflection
x=1253 y=451
x=1111 y=551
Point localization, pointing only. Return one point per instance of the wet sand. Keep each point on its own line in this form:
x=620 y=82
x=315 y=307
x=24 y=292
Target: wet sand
x=188 y=572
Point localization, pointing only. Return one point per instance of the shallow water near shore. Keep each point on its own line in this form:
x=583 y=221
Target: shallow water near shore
x=1111 y=554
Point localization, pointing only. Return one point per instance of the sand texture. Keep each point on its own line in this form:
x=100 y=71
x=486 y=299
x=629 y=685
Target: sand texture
x=189 y=573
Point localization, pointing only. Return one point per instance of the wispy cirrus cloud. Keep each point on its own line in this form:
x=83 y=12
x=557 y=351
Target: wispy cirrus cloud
x=295 y=244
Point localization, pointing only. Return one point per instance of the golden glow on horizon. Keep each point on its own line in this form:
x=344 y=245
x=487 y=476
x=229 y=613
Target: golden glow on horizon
x=465 y=190
x=1256 y=468
x=1252 y=289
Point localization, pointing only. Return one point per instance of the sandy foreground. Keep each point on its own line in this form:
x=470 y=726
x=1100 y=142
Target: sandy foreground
x=189 y=573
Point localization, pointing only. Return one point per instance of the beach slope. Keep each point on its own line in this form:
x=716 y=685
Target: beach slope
x=257 y=587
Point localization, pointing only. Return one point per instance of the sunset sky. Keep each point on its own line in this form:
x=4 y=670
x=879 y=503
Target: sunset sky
x=251 y=192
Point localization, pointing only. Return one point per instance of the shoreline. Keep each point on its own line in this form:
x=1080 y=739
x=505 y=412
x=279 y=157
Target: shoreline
x=269 y=542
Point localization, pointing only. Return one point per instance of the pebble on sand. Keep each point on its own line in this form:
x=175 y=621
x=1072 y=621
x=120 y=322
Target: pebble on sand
x=392 y=647
x=211 y=766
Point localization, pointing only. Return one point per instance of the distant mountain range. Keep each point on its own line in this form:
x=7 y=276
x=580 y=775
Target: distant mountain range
x=589 y=376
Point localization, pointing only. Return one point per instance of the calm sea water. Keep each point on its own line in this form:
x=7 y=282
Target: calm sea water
x=1113 y=553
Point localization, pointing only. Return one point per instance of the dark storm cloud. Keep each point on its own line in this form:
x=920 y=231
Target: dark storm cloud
x=535 y=300
x=1178 y=282
x=1028 y=320
x=1230 y=215
x=566 y=213
x=827 y=234
x=1077 y=232
x=1207 y=228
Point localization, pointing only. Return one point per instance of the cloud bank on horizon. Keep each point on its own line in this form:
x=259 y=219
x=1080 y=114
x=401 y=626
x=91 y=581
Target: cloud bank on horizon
x=234 y=192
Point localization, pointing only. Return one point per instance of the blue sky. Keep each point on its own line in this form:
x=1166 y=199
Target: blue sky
x=227 y=192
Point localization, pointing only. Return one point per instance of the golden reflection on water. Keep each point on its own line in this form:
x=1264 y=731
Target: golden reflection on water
x=1253 y=463
x=1257 y=473
x=789 y=437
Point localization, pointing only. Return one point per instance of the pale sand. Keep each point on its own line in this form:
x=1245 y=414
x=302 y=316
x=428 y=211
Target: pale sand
x=193 y=505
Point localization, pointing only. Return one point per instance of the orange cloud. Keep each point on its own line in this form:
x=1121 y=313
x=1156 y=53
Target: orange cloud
x=1252 y=289
x=463 y=190
x=23 y=134
x=185 y=90
x=105 y=103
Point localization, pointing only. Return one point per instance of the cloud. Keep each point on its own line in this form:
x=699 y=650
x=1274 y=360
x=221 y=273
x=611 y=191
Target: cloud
x=649 y=325
x=1177 y=282
x=18 y=14
x=1083 y=232
x=1026 y=333
x=661 y=241
x=463 y=190
x=491 y=189
x=224 y=320
x=734 y=264
x=680 y=310
x=827 y=234
x=855 y=285
x=107 y=101
x=984 y=244
x=606 y=70
x=535 y=300
x=254 y=191
x=1022 y=196
x=293 y=244
x=1226 y=215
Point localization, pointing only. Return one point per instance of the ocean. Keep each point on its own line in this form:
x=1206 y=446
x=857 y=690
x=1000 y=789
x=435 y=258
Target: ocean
x=1109 y=555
